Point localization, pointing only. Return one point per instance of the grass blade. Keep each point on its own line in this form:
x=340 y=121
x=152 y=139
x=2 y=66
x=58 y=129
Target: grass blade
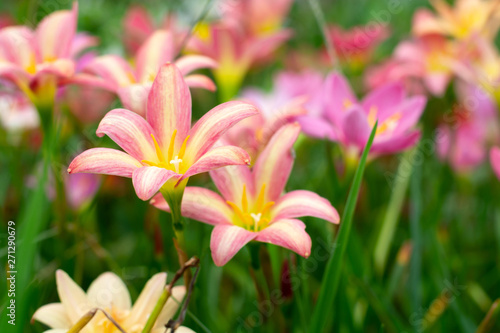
x=331 y=278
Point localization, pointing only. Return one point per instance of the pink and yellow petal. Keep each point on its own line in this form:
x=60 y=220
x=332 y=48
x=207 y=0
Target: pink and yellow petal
x=113 y=69
x=230 y=181
x=200 y=81
x=148 y=180
x=158 y=49
x=190 y=63
x=227 y=240
x=304 y=203
x=287 y=233
x=105 y=161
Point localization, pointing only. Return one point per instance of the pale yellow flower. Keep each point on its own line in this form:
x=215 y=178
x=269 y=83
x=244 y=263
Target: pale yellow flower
x=109 y=293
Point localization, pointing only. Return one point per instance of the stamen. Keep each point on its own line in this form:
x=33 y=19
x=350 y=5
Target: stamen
x=372 y=115
x=238 y=212
x=244 y=200
x=171 y=145
x=149 y=163
x=183 y=147
x=256 y=219
x=260 y=198
x=176 y=161
x=159 y=153
x=267 y=206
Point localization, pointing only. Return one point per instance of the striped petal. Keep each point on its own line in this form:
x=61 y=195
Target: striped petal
x=230 y=180
x=216 y=158
x=131 y=132
x=274 y=164
x=134 y=97
x=190 y=63
x=53 y=315
x=169 y=105
x=199 y=204
x=55 y=34
x=108 y=291
x=356 y=128
x=288 y=233
x=227 y=240
x=148 y=180
x=384 y=98
x=16 y=46
x=495 y=160
x=157 y=50
x=214 y=124
x=304 y=203
x=72 y=296
x=147 y=299
x=105 y=161
x=112 y=69
x=200 y=81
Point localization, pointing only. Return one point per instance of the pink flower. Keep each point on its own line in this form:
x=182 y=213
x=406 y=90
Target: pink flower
x=427 y=60
x=346 y=120
x=80 y=189
x=17 y=113
x=495 y=160
x=163 y=147
x=356 y=45
x=30 y=58
x=277 y=108
x=131 y=84
x=252 y=206
x=473 y=125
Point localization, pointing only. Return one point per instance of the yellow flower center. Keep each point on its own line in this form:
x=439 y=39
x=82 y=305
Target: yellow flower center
x=102 y=324
x=254 y=218
x=172 y=162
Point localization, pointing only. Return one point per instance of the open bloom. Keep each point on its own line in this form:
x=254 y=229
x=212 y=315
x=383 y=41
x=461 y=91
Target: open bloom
x=32 y=59
x=163 y=146
x=131 y=84
x=495 y=160
x=277 y=108
x=252 y=206
x=350 y=122
x=109 y=293
x=466 y=19
x=17 y=113
x=469 y=129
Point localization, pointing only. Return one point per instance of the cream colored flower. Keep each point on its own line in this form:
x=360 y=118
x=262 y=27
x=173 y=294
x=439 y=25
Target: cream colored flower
x=109 y=293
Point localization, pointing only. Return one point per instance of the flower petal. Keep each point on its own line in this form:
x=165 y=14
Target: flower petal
x=149 y=179
x=55 y=34
x=216 y=158
x=169 y=105
x=384 y=98
x=317 y=127
x=230 y=180
x=274 y=164
x=158 y=49
x=147 y=299
x=288 y=233
x=53 y=315
x=199 y=204
x=356 y=128
x=214 y=124
x=396 y=143
x=200 y=81
x=338 y=97
x=410 y=111
x=108 y=290
x=134 y=97
x=113 y=69
x=304 y=203
x=171 y=307
x=16 y=46
x=227 y=240
x=495 y=160
x=130 y=131
x=190 y=63
x=72 y=296
x=105 y=161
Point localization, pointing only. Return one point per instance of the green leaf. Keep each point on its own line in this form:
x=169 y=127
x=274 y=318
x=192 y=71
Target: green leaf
x=331 y=278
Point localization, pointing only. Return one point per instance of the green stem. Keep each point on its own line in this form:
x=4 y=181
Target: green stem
x=165 y=295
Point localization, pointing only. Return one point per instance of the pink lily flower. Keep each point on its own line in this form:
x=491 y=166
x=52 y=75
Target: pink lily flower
x=473 y=125
x=427 y=60
x=466 y=19
x=355 y=46
x=495 y=160
x=138 y=25
x=277 y=108
x=346 y=120
x=80 y=189
x=235 y=51
x=31 y=59
x=17 y=113
x=163 y=147
x=252 y=206
x=132 y=85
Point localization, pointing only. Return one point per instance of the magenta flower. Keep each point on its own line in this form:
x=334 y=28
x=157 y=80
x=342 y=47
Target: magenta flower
x=80 y=189
x=346 y=120
x=472 y=126
x=495 y=160
x=252 y=206
x=131 y=84
x=163 y=147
